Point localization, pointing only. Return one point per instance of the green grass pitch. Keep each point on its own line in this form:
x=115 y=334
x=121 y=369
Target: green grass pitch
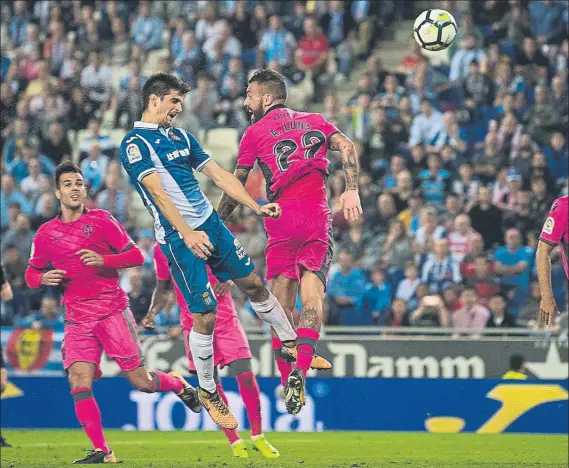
x=300 y=450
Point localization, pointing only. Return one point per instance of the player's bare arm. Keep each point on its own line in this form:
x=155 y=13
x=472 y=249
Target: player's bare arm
x=6 y=293
x=350 y=199
x=159 y=301
x=233 y=187
x=197 y=241
x=228 y=204
x=548 y=308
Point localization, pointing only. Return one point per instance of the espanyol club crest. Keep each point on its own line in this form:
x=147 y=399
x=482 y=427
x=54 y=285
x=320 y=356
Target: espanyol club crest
x=29 y=349
x=207 y=300
x=173 y=136
x=88 y=230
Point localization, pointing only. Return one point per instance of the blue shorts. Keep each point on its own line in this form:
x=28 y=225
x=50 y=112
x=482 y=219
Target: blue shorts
x=228 y=261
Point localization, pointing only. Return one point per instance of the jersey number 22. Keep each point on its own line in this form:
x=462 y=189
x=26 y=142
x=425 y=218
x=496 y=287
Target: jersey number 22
x=312 y=141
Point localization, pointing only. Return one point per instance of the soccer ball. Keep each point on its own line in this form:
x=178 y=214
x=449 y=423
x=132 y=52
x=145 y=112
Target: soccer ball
x=434 y=29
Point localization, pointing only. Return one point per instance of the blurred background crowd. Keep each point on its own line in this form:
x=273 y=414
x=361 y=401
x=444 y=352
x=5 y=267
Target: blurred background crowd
x=462 y=152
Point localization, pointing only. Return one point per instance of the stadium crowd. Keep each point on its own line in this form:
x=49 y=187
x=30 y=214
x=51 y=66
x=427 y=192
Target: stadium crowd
x=462 y=152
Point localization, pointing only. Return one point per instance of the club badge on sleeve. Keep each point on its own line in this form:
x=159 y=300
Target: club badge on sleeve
x=549 y=225
x=133 y=153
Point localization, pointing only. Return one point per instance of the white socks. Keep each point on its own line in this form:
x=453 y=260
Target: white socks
x=201 y=347
x=271 y=311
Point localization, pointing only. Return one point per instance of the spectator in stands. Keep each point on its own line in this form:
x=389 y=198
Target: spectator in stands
x=230 y=45
x=541 y=199
x=139 y=296
x=476 y=249
x=203 y=100
x=385 y=213
x=357 y=240
x=477 y=85
x=276 y=43
x=121 y=46
x=97 y=78
x=20 y=235
x=488 y=161
x=30 y=185
x=513 y=264
x=543 y=117
x=459 y=237
x=459 y=65
x=499 y=317
x=312 y=52
x=429 y=231
x=18 y=24
x=452 y=209
x=10 y=194
x=418 y=161
x=514 y=24
x=48 y=316
x=451 y=297
x=434 y=181
x=19 y=167
x=517 y=368
x=430 y=313
x=427 y=125
x=55 y=48
x=147 y=30
x=377 y=297
x=487 y=219
x=408 y=286
x=546 y=22
x=530 y=306
x=440 y=269
x=207 y=25
x=245 y=29
x=557 y=154
x=94 y=167
x=486 y=283
x=403 y=190
x=105 y=144
x=56 y=146
x=399 y=314
x=472 y=315
x=113 y=198
x=345 y=292
x=46 y=210
x=398 y=247
x=189 y=59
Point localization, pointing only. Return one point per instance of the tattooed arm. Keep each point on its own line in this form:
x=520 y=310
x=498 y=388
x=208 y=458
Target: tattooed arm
x=228 y=204
x=350 y=199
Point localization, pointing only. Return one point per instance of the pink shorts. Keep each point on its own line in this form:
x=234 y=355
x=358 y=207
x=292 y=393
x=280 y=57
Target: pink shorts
x=229 y=343
x=116 y=334
x=301 y=238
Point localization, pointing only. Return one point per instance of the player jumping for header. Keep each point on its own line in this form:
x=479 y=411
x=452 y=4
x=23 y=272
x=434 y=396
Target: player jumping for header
x=555 y=231
x=291 y=149
x=82 y=251
x=230 y=348
x=160 y=161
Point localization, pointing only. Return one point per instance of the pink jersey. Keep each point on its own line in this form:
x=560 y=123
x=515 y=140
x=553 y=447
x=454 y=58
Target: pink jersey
x=288 y=145
x=89 y=292
x=555 y=230
x=225 y=307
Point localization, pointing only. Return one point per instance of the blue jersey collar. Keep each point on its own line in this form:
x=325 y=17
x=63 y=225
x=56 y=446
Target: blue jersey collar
x=148 y=125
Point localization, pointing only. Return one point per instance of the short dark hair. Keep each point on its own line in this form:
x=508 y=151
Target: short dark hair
x=272 y=81
x=162 y=84
x=66 y=167
x=516 y=362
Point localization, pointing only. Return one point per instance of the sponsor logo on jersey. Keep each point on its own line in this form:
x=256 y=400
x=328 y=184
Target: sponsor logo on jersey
x=178 y=153
x=88 y=230
x=133 y=153
x=549 y=225
x=239 y=250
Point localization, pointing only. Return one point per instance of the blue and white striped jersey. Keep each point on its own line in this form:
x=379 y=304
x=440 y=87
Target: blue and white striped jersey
x=174 y=154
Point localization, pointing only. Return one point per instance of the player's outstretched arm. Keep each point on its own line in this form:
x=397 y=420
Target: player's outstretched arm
x=228 y=204
x=350 y=199
x=548 y=307
x=233 y=187
x=197 y=241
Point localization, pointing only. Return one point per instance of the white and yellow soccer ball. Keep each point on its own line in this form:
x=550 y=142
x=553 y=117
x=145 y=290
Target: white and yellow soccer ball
x=434 y=29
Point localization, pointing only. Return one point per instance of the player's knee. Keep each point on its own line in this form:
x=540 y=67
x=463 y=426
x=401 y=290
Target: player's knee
x=254 y=288
x=79 y=380
x=204 y=323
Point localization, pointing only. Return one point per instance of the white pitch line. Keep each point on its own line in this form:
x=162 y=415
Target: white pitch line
x=140 y=442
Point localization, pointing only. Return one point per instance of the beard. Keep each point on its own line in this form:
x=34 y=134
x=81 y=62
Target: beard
x=254 y=114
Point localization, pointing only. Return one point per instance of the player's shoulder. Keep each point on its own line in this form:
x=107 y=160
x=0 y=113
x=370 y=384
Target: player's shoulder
x=99 y=214
x=46 y=228
x=561 y=202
